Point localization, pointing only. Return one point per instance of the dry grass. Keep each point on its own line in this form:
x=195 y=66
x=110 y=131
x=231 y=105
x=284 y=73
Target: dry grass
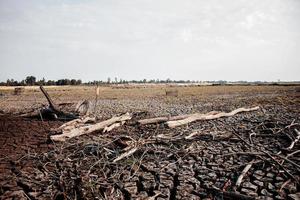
x=33 y=97
x=151 y=91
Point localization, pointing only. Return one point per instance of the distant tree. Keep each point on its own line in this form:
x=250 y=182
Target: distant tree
x=41 y=82
x=65 y=82
x=58 y=82
x=30 y=80
x=22 y=83
x=8 y=82
x=51 y=82
x=108 y=80
x=73 y=82
x=61 y=82
x=11 y=82
x=78 y=82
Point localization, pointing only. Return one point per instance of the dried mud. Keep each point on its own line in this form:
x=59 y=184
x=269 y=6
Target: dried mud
x=168 y=167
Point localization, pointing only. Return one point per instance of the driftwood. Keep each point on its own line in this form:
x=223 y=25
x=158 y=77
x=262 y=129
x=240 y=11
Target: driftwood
x=208 y=116
x=161 y=119
x=70 y=130
x=79 y=127
x=53 y=111
x=191 y=136
x=113 y=126
x=294 y=141
x=83 y=107
x=244 y=172
x=50 y=112
x=126 y=154
x=52 y=105
x=165 y=119
x=74 y=123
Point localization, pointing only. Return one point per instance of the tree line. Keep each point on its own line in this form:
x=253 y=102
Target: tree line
x=123 y=81
x=31 y=80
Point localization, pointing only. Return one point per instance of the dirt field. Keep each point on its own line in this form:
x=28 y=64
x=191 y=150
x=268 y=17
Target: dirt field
x=206 y=167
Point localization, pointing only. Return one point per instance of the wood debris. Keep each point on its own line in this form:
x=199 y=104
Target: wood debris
x=79 y=127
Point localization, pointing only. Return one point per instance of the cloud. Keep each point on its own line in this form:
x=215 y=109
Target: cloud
x=147 y=38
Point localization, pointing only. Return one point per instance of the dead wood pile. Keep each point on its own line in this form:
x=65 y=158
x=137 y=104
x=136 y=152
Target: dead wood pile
x=236 y=156
x=79 y=127
x=52 y=111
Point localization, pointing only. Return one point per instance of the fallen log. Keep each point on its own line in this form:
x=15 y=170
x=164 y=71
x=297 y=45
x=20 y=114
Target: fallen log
x=83 y=107
x=74 y=123
x=53 y=111
x=208 y=116
x=52 y=105
x=161 y=119
x=165 y=119
x=86 y=129
x=113 y=126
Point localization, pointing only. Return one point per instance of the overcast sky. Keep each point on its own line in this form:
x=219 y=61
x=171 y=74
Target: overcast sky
x=136 y=39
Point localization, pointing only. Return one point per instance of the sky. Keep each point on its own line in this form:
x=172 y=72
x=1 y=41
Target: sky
x=153 y=39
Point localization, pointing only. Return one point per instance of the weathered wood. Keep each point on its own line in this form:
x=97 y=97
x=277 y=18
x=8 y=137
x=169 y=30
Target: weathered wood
x=113 y=126
x=53 y=111
x=86 y=129
x=52 y=105
x=126 y=154
x=153 y=120
x=161 y=119
x=294 y=141
x=75 y=123
x=191 y=136
x=83 y=107
x=208 y=116
x=244 y=172
x=165 y=119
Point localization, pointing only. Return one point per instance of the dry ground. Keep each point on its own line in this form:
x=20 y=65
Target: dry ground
x=114 y=100
x=32 y=166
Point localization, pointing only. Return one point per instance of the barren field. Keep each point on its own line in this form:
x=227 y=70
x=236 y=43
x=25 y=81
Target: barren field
x=251 y=155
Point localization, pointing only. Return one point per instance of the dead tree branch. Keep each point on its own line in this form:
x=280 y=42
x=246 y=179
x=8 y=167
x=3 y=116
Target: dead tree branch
x=294 y=141
x=244 y=172
x=70 y=132
x=208 y=116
